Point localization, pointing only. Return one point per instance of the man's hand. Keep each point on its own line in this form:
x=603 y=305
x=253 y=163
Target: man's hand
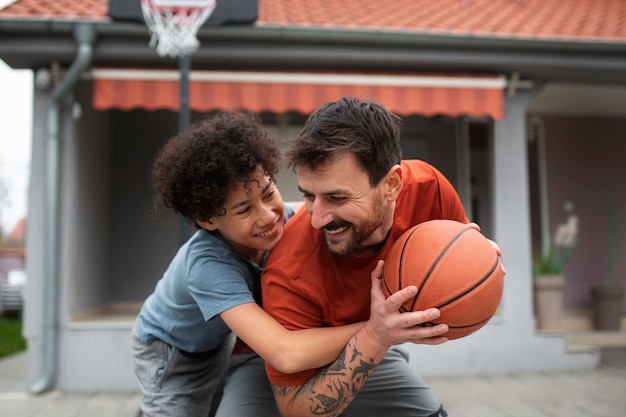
x=389 y=326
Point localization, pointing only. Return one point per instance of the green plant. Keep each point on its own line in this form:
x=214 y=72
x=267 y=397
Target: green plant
x=555 y=253
x=11 y=340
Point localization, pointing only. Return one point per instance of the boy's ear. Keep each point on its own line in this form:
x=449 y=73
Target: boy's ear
x=207 y=224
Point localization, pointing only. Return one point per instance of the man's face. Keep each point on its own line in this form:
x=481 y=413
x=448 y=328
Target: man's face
x=352 y=216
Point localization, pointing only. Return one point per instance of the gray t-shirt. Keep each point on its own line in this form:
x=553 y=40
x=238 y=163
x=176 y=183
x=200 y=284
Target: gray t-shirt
x=206 y=277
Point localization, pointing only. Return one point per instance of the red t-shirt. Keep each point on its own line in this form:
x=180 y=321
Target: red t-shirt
x=305 y=286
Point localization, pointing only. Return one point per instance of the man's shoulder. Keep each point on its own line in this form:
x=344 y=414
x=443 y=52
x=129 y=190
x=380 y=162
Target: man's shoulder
x=419 y=169
x=299 y=243
x=436 y=195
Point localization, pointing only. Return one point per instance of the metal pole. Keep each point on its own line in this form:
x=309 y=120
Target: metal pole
x=184 y=119
x=184 y=66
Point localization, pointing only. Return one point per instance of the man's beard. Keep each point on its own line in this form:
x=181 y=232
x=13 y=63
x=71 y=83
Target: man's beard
x=360 y=233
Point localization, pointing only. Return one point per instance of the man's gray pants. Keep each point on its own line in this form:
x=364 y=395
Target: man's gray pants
x=393 y=390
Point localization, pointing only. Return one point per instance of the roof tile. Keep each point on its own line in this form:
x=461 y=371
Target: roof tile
x=55 y=9
x=597 y=20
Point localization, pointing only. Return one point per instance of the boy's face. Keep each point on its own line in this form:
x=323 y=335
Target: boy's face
x=253 y=222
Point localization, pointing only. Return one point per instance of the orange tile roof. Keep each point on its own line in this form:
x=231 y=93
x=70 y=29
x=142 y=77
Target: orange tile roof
x=586 y=20
x=57 y=9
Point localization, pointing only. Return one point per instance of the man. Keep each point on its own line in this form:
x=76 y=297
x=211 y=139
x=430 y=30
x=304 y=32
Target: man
x=359 y=198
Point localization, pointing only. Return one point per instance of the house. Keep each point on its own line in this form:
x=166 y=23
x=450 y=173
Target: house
x=484 y=88
x=12 y=275
x=15 y=238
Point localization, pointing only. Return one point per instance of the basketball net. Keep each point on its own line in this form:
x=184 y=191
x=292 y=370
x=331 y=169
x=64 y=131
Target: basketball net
x=174 y=24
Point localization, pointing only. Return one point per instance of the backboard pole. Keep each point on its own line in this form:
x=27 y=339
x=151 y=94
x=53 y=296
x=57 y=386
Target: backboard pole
x=184 y=114
x=184 y=119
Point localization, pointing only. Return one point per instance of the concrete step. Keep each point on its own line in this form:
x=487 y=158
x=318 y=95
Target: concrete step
x=580 y=335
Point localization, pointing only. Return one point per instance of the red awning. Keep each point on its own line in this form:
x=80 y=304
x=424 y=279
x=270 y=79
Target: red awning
x=282 y=92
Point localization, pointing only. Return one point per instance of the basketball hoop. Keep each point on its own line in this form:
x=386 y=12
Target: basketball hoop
x=175 y=23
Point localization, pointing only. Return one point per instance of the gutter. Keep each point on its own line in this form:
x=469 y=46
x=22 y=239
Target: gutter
x=278 y=33
x=84 y=35
x=293 y=46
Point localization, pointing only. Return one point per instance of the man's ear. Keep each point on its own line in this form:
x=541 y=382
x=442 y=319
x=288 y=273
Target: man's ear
x=393 y=183
x=207 y=224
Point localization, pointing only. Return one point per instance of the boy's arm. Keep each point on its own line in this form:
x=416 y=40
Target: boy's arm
x=288 y=351
x=333 y=387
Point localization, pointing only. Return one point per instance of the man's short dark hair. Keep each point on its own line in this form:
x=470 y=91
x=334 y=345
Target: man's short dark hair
x=364 y=128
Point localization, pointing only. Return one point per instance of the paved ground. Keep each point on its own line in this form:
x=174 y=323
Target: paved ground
x=597 y=393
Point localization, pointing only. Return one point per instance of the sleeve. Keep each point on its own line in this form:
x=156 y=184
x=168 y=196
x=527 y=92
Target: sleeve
x=218 y=284
x=285 y=300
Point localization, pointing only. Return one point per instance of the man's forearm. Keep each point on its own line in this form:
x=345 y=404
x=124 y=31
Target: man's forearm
x=333 y=387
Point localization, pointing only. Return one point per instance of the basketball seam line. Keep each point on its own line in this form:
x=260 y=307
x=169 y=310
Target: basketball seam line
x=434 y=265
x=478 y=284
x=406 y=242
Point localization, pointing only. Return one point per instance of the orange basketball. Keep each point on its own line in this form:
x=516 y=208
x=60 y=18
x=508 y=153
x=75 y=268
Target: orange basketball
x=455 y=269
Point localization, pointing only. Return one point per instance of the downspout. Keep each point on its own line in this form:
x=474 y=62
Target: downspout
x=84 y=34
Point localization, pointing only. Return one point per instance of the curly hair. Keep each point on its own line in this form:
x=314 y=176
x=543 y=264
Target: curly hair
x=349 y=125
x=194 y=171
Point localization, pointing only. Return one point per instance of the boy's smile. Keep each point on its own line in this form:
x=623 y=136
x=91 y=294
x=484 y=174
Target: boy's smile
x=253 y=222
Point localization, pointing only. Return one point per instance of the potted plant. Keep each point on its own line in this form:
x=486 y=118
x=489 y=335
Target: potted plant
x=548 y=265
x=608 y=298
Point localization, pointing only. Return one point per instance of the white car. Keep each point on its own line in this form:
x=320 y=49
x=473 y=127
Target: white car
x=12 y=292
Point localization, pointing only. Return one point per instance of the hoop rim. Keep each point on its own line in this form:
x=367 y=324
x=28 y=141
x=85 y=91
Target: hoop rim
x=174 y=24
x=179 y=4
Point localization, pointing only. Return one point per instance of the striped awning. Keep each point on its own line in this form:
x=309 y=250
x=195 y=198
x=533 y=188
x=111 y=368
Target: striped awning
x=281 y=92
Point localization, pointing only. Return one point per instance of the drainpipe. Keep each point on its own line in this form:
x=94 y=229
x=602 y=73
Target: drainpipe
x=84 y=34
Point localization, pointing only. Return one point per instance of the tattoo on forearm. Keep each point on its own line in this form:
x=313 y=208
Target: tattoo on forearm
x=363 y=371
x=324 y=404
x=332 y=388
x=355 y=353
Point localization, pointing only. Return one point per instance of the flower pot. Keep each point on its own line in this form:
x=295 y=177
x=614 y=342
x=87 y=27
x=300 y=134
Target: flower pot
x=608 y=303
x=548 y=291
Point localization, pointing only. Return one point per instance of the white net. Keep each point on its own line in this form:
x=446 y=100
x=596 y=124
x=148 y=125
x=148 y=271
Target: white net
x=175 y=24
